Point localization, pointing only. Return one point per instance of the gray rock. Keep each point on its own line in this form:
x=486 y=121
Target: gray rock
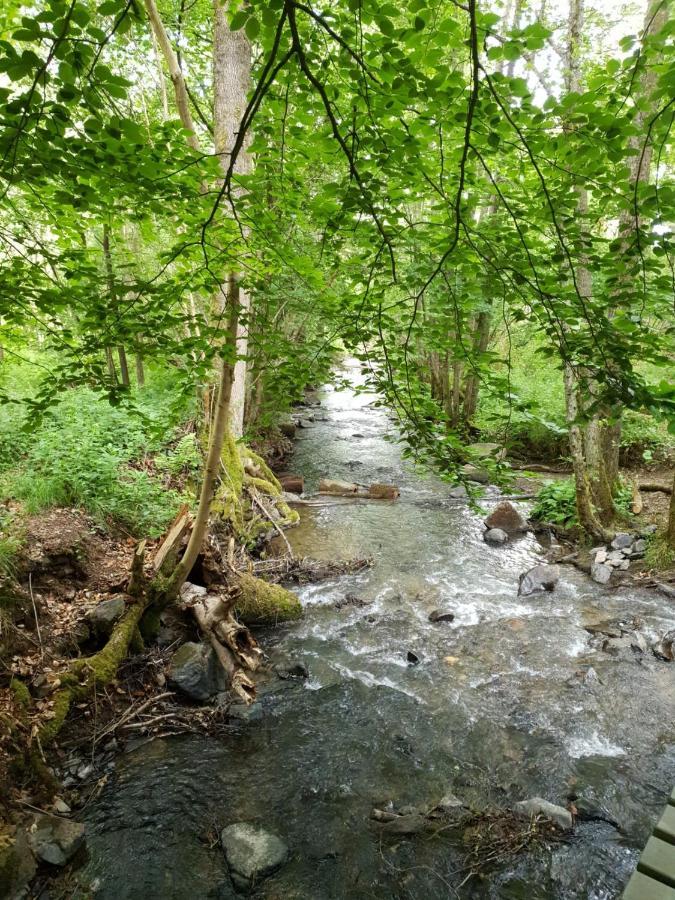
x=614 y=557
x=540 y=578
x=103 y=616
x=439 y=616
x=291 y=669
x=665 y=648
x=601 y=573
x=600 y=555
x=17 y=866
x=634 y=642
x=252 y=853
x=621 y=540
x=56 y=840
x=623 y=565
x=474 y=473
x=486 y=450
x=459 y=492
x=196 y=672
x=506 y=516
x=495 y=536
x=536 y=806
x=640 y=546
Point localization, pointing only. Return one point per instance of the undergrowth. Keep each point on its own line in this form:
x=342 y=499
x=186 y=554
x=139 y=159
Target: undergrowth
x=120 y=463
x=556 y=502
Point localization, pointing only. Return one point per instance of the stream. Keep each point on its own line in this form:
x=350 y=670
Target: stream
x=499 y=708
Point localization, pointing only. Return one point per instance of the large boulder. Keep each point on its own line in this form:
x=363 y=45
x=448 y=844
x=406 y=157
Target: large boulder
x=506 y=517
x=252 y=853
x=55 y=840
x=196 y=672
x=536 y=806
x=540 y=578
x=102 y=617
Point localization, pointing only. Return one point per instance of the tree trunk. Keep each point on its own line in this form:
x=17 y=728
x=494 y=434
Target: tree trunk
x=180 y=90
x=671 y=519
x=112 y=294
x=140 y=371
x=219 y=429
x=110 y=362
x=231 y=85
x=594 y=486
x=481 y=340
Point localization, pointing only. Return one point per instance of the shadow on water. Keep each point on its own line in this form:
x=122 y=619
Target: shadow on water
x=496 y=711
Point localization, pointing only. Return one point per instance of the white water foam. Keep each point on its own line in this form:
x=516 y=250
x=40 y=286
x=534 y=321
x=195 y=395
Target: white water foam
x=593 y=745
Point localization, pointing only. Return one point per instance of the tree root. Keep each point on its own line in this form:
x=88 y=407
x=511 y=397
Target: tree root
x=260 y=603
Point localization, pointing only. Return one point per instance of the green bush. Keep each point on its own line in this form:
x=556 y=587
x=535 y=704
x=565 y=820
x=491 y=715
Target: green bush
x=556 y=502
x=88 y=453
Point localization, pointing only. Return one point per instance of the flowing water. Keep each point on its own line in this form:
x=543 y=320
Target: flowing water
x=497 y=710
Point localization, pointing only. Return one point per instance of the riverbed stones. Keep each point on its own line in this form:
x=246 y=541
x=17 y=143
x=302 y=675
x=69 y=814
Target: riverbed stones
x=601 y=573
x=540 y=578
x=506 y=517
x=252 y=853
x=17 y=865
x=665 y=647
x=196 y=672
x=103 y=616
x=536 y=806
x=495 y=536
x=621 y=541
x=55 y=840
x=438 y=615
x=633 y=642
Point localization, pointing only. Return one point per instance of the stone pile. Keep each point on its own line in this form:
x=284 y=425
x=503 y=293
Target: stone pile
x=617 y=556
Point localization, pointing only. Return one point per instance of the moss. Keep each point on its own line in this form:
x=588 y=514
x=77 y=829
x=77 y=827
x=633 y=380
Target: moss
x=265 y=487
x=20 y=693
x=99 y=669
x=260 y=603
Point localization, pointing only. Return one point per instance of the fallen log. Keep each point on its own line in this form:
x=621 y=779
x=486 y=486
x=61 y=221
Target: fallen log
x=654 y=487
x=292 y=484
x=342 y=488
x=354 y=489
x=383 y=492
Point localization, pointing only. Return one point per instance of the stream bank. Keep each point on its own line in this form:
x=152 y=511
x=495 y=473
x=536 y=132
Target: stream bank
x=512 y=699
x=500 y=699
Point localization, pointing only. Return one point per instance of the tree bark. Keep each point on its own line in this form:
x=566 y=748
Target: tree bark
x=219 y=428
x=481 y=340
x=671 y=519
x=140 y=371
x=231 y=85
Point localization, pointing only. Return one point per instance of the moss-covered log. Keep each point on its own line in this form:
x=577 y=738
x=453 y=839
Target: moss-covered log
x=260 y=603
x=93 y=671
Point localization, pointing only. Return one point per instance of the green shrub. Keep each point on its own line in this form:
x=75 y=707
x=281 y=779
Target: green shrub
x=88 y=453
x=556 y=502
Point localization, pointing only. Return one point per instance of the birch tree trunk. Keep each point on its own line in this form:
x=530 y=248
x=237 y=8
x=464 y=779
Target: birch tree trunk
x=231 y=85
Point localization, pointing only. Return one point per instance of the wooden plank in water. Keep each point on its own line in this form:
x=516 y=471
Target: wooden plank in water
x=658 y=861
x=666 y=827
x=642 y=887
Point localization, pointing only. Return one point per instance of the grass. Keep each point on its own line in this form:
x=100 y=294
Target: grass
x=536 y=428
x=116 y=462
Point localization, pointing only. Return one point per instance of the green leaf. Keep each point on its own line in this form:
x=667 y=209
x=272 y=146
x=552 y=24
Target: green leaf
x=239 y=19
x=252 y=28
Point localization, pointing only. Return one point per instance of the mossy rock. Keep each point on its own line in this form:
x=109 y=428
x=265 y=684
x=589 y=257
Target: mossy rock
x=260 y=603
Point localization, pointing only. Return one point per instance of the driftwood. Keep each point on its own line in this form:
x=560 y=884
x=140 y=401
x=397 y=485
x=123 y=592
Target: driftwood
x=292 y=484
x=233 y=644
x=353 y=489
x=167 y=549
